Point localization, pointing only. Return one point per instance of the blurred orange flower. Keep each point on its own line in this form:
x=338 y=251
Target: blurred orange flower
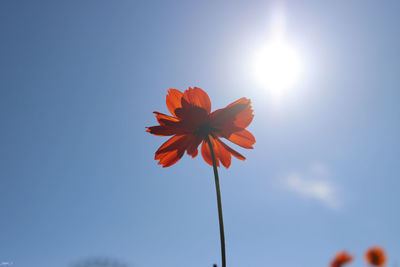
x=192 y=122
x=341 y=258
x=375 y=256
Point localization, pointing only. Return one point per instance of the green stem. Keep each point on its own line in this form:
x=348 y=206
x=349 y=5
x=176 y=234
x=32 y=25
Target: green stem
x=218 y=190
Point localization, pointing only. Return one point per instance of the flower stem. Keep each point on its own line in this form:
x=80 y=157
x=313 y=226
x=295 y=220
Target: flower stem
x=218 y=190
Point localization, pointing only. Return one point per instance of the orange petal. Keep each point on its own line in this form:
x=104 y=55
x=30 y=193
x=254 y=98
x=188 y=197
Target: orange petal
x=174 y=100
x=172 y=150
x=161 y=130
x=233 y=118
x=196 y=97
x=206 y=153
x=161 y=118
x=242 y=138
x=168 y=126
x=231 y=150
x=229 y=113
x=165 y=130
x=177 y=142
x=244 y=118
x=192 y=147
x=223 y=154
x=242 y=100
x=169 y=158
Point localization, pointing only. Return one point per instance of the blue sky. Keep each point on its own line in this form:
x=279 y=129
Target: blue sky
x=79 y=81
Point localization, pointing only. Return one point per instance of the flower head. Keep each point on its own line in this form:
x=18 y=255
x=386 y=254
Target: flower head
x=341 y=258
x=192 y=123
x=375 y=256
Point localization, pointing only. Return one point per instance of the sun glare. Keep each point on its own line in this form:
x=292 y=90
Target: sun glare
x=277 y=66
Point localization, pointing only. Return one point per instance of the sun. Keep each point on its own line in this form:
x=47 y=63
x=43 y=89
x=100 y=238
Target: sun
x=277 y=66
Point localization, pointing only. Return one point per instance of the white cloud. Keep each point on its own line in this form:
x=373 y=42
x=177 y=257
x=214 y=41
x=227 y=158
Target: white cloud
x=315 y=183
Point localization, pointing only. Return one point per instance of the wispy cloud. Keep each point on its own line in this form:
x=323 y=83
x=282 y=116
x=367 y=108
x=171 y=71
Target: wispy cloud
x=314 y=183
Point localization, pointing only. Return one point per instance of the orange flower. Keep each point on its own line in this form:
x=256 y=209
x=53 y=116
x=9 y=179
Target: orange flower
x=341 y=258
x=192 y=122
x=375 y=256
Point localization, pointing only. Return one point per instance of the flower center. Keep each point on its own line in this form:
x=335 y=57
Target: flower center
x=375 y=258
x=205 y=130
